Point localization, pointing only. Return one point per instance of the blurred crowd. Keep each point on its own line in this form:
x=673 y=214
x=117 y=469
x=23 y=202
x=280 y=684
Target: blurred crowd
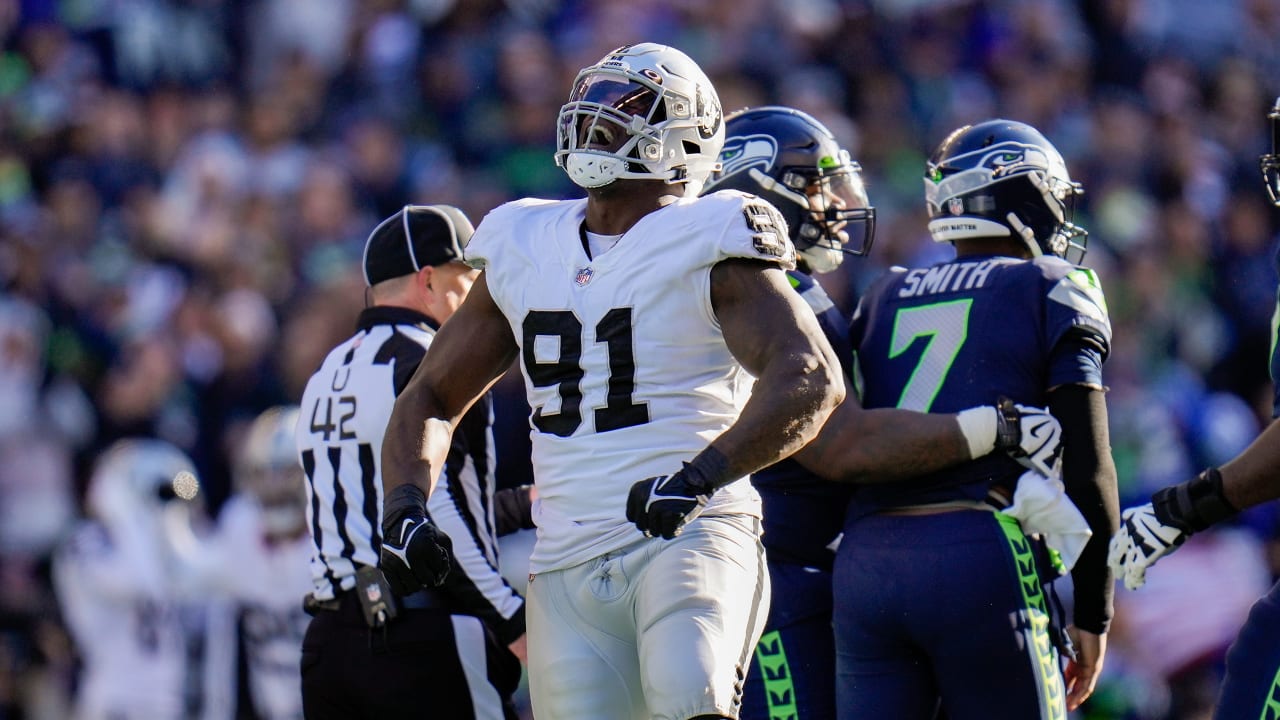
x=186 y=186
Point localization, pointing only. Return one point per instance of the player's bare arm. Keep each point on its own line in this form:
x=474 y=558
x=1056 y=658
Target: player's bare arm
x=859 y=445
x=469 y=354
x=882 y=445
x=1249 y=479
x=777 y=339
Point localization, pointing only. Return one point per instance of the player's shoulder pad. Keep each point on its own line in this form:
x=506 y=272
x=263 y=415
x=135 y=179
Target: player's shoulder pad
x=1077 y=288
x=814 y=295
x=755 y=227
x=881 y=283
x=482 y=244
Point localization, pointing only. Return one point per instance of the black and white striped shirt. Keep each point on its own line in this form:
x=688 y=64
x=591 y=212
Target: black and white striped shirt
x=345 y=408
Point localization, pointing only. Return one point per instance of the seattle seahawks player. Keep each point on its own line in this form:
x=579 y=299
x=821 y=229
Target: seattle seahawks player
x=938 y=598
x=639 y=316
x=790 y=159
x=1148 y=532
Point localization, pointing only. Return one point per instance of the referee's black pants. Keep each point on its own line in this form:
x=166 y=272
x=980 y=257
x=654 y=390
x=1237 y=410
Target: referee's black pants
x=427 y=664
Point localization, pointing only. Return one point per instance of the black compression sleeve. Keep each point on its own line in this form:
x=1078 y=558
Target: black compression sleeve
x=1089 y=474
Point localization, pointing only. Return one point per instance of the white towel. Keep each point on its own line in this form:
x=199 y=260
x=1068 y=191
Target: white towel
x=1042 y=507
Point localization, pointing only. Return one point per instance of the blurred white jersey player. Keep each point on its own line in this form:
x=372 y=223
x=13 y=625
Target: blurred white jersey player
x=258 y=561
x=121 y=588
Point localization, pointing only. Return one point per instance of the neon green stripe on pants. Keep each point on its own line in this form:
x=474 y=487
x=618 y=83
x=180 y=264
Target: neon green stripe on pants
x=779 y=691
x=1052 y=692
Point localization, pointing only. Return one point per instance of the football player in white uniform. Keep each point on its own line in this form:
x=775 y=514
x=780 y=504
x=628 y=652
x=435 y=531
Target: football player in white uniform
x=120 y=587
x=639 y=316
x=258 y=560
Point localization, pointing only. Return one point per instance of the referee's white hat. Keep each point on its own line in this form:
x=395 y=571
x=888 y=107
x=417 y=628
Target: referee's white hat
x=415 y=237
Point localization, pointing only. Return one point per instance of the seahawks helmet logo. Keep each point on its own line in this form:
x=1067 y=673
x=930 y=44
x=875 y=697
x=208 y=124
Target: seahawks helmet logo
x=1009 y=158
x=748 y=151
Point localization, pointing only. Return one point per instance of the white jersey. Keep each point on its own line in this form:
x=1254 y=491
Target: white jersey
x=266 y=583
x=625 y=366
x=124 y=615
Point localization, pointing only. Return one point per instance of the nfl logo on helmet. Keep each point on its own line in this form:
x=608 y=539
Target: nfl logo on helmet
x=955 y=205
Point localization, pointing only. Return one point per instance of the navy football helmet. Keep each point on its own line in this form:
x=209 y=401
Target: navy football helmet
x=1270 y=162
x=794 y=162
x=1002 y=178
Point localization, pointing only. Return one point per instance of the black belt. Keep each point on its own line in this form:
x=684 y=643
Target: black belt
x=424 y=599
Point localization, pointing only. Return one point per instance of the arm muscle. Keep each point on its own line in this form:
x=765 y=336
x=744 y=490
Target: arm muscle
x=468 y=354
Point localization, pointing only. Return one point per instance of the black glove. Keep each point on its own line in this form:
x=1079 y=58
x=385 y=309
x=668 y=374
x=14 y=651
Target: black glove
x=1030 y=435
x=1195 y=504
x=662 y=505
x=415 y=554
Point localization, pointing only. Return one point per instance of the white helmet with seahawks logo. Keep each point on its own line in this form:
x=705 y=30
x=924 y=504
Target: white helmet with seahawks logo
x=644 y=112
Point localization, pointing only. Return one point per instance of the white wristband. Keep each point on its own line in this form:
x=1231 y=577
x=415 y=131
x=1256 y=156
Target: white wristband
x=978 y=425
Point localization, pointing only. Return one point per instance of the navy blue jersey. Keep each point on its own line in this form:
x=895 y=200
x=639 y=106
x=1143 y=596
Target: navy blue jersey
x=1275 y=358
x=960 y=334
x=802 y=513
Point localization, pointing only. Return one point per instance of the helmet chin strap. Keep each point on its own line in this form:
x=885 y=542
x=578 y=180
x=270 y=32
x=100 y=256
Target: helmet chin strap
x=1027 y=234
x=772 y=185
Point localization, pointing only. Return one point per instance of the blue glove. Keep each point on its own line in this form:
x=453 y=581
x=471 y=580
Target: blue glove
x=415 y=554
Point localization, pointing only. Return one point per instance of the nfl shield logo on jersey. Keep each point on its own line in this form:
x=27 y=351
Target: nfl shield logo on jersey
x=955 y=205
x=584 y=276
x=373 y=593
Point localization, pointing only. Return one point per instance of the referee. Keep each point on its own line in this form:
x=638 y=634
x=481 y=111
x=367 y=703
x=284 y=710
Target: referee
x=448 y=651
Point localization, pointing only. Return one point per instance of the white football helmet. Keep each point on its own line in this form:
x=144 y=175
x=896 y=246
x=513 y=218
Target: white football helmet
x=644 y=112
x=135 y=479
x=267 y=468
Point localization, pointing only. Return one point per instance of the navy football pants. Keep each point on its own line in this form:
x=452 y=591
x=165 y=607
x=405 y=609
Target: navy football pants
x=793 y=673
x=942 y=609
x=1252 y=685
